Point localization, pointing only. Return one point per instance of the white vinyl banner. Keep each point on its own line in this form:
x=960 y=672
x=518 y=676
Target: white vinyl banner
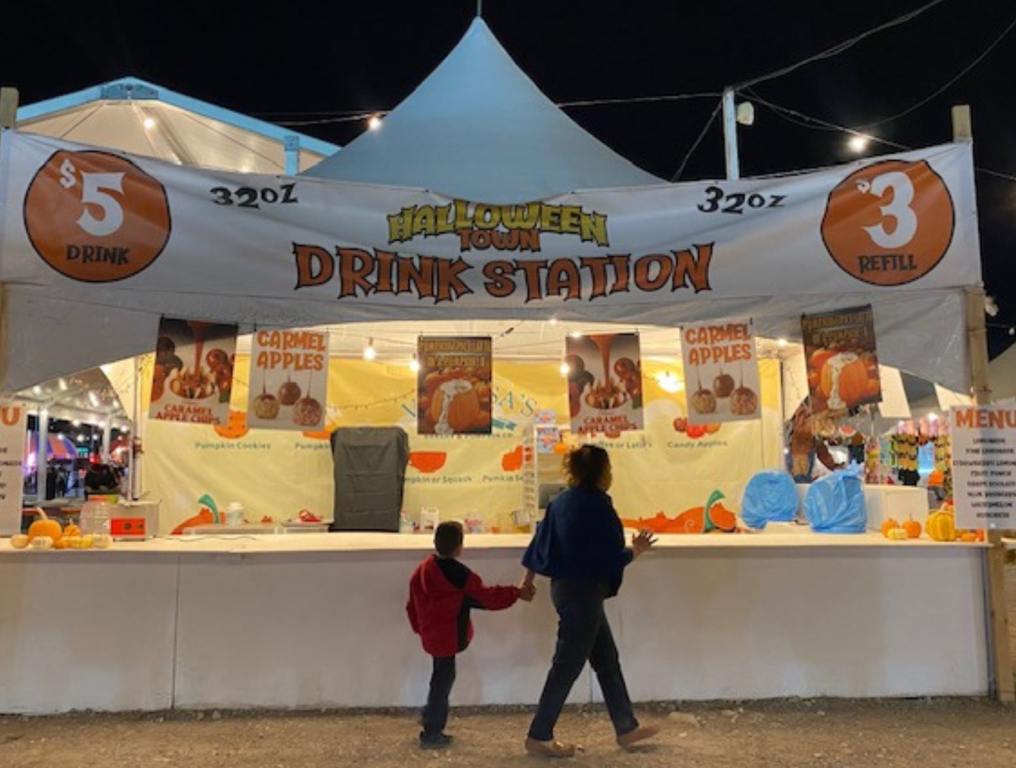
x=137 y=233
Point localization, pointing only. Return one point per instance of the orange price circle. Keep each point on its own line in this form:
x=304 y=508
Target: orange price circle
x=889 y=223
x=96 y=217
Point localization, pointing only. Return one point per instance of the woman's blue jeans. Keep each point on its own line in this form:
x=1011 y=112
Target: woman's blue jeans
x=583 y=634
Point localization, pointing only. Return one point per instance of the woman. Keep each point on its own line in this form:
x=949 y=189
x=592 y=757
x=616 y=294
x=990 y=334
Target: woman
x=804 y=447
x=580 y=546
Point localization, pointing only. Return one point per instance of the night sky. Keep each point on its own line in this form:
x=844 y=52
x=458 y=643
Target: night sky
x=304 y=61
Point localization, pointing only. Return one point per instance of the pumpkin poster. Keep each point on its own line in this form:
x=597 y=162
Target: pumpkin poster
x=192 y=379
x=288 y=384
x=604 y=383
x=721 y=371
x=842 y=363
x=454 y=385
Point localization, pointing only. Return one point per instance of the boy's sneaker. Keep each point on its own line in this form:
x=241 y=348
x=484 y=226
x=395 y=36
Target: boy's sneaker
x=434 y=740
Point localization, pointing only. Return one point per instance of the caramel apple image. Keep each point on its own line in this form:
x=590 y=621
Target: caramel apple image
x=307 y=412
x=266 y=406
x=743 y=401
x=723 y=385
x=703 y=401
x=289 y=393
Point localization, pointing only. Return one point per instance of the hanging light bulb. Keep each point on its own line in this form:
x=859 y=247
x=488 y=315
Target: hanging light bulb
x=414 y=364
x=62 y=383
x=93 y=399
x=369 y=352
x=575 y=335
x=669 y=382
x=374 y=123
x=149 y=123
x=781 y=342
x=37 y=390
x=565 y=368
x=1012 y=331
x=552 y=320
x=858 y=143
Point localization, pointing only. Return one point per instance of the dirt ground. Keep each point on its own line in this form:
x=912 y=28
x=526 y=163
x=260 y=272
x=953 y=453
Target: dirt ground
x=906 y=734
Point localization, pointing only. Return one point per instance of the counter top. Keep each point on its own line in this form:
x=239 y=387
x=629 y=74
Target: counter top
x=776 y=536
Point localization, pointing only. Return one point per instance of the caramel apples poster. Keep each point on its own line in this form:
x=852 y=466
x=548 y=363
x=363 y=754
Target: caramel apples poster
x=192 y=379
x=453 y=385
x=839 y=348
x=720 y=371
x=288 y=387
x=604 y=383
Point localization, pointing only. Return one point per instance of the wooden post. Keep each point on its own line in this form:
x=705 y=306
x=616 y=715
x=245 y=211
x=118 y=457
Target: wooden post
x=999 y=653
x=8 y=107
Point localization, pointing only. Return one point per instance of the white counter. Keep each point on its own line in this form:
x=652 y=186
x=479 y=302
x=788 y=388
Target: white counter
x=317 y=620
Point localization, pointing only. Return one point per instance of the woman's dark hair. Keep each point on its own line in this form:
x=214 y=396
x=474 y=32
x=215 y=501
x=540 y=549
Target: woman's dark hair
x=585 y=466
x=448 y=538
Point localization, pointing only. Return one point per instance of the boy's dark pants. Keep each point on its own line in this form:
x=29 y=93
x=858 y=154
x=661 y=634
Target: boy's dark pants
x=435 y=714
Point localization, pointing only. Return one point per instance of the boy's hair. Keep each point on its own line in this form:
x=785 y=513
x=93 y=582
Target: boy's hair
x=448 y=538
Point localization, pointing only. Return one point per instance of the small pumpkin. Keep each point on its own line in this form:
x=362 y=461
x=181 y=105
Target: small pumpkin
x=20 y=541
x=71 y=530
x=913 y=529
x=41 y=542
x=968 y=536
x=889 y=524
x=941 y=526
x=44 y=526
x=897 y=534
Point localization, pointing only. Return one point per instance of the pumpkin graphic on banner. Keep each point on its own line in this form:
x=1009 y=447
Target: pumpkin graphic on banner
x=842 y=362
x=454 y=385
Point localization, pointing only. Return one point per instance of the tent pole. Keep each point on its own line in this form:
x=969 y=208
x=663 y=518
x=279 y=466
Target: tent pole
x=8 y=119
x=730 y=135
x=999 y=655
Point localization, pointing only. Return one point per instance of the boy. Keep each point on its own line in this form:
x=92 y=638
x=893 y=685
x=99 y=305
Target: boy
x=441 y=593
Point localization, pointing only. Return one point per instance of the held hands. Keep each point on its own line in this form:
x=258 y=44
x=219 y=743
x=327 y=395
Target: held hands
x=528 y=592
x=642 y=542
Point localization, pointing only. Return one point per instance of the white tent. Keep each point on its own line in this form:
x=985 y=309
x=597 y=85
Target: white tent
x=142 y=118
x=478 y=128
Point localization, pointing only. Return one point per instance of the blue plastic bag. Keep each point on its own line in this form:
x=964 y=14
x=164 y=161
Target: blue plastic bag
x=835 y=503
x=769 y=496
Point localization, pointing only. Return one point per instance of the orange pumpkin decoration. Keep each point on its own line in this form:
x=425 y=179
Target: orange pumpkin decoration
x=722 y=518
x=44 y=526
x=888 y=525
x=235 y=428
x=690 y=521
x=427 y=461
x=459 y=407
x=913 y=529
x=512 y=461
x=819 y=358
x=71 y=530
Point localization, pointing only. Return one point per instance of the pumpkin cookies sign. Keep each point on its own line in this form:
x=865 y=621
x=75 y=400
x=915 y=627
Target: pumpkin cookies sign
x=839 y=348
x=721 y=371
x=454 y=385
x=288 y=387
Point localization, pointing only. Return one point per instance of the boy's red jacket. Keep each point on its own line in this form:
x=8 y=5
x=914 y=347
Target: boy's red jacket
x=441 y=592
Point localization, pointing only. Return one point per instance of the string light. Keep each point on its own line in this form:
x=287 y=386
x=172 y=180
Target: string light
x=37 y=389
x=781 y=342
x=858 y=143
x=565 y=368
x=149 y=123
x=62 y=383
x=414 y=364
x=575 y=335
x=553 y=320
x=374 y=123
x=669 y=382
x=369 y=352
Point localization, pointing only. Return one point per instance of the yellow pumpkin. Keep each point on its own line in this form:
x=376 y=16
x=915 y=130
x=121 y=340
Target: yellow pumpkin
x=44 y=526
x=941 y=526
x=19 y=541
x=897 y=534
x=71 y=530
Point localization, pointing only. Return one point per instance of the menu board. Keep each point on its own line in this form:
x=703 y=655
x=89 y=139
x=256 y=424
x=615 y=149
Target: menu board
x=984 y=466
x=604 y=383
x=839 y=348
x=454 y=385
x=12 y=458
x=192 y=379
x=721 y=371
x=288 y=386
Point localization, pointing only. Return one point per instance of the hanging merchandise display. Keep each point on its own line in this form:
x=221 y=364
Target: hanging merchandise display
x=604 y=373
x=192 y=380
x=720 y=363
x=839 y=348
x=288 y=382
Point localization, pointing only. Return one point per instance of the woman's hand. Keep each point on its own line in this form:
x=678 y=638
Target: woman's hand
x=527 y=586
x=642 y=542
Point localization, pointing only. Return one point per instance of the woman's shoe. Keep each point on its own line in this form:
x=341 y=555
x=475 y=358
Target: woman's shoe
x=640 y=734
x=549 y=748
x=435 y=740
